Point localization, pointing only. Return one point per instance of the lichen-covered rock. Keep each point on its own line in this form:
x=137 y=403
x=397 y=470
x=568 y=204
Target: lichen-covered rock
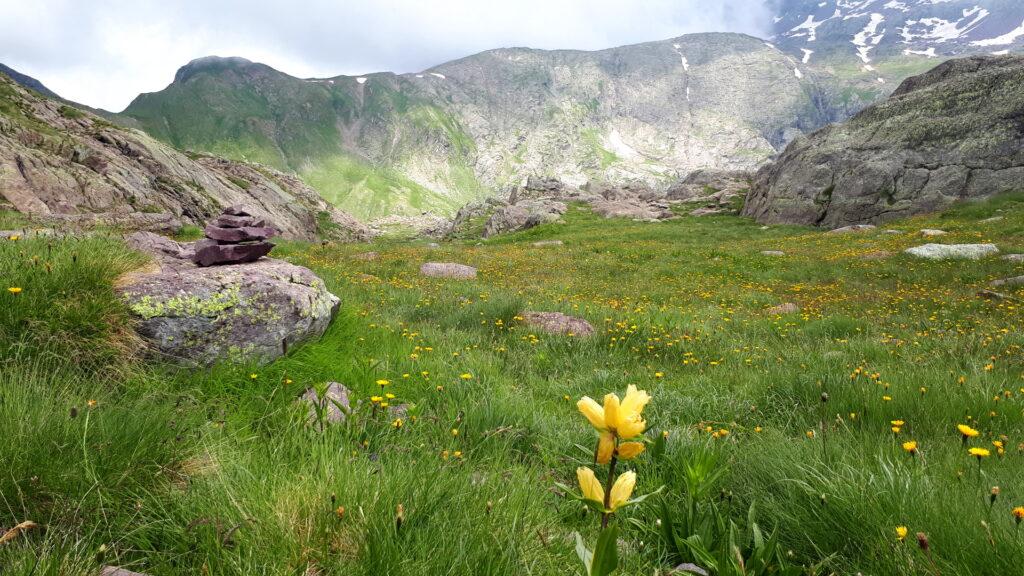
x=557 y=323
x=953 y=251
x=853 y=228
x=784 y=308
x=953 y=133
x=245 y=312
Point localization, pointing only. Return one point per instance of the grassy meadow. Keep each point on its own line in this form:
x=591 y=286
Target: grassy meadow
x=798 y=422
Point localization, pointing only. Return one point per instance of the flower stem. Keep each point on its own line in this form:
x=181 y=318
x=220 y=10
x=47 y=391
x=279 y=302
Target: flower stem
x=608 y=488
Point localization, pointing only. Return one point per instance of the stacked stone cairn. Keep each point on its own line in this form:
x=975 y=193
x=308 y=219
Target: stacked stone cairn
x=235 y=237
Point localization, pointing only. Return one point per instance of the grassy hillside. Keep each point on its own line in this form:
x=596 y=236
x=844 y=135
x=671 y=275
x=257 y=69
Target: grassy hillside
x=217 y=471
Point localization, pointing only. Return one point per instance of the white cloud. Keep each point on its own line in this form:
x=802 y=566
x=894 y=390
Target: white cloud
x=105 y=52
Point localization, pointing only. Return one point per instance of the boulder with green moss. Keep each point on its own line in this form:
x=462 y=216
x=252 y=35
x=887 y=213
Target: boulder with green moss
x=244 y=312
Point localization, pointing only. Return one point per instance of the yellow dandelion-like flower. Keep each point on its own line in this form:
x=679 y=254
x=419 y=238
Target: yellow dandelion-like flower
x=14 y=290
x=910 y=447
x=901 y=533
x=979 y=453
x=966 y=431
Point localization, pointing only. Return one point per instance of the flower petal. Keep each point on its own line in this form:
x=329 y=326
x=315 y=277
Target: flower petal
x=622 y=490
x=611 y=411
x=589 y=484
x=630 y=450
x=593 y=411
x=605 y=448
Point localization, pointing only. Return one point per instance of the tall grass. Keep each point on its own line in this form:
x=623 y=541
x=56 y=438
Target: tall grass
x=219 y=472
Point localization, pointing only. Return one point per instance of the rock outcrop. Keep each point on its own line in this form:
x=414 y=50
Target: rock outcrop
x=66 y=168
x=953 y=133
x=241 y=312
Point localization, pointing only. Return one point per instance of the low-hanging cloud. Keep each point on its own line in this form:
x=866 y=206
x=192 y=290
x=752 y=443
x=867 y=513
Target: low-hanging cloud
x=105 y=52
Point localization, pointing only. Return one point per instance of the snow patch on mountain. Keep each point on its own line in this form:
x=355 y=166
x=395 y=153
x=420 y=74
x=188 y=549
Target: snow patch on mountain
x=1008 y=38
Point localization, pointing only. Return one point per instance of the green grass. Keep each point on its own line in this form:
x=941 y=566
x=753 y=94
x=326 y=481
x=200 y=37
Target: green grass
x=216 y=472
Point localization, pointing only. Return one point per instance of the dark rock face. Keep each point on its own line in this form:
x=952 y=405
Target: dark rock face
x=234 y=237
x=953 y=133
x=198 y=316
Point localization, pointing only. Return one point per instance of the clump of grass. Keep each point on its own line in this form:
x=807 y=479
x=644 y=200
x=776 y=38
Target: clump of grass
x=59 y=300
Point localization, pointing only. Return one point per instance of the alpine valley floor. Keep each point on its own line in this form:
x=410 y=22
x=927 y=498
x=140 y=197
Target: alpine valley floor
x=802 y=416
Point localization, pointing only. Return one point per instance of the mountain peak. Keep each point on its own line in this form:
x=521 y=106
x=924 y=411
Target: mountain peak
x=210 y=64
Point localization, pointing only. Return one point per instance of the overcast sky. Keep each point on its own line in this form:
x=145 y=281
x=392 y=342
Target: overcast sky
x=105 y=52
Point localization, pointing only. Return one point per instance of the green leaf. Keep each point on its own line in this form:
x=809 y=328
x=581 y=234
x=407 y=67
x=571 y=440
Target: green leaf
x=585 y=555
x=668 y=532
x=606 y=553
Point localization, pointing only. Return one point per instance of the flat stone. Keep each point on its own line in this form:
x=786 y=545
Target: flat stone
x=244 y=234
x=992 y=219
x=229 y=221
x=115 y=571
x=853 y=228
x=1015 y=281
x=933 y=232
x=785 y=308
x=558 y=323
x=335 y=403
x=1014 y=257
x=545 y=243
x=209 y=253
x=448 y=270
x=993 y=295
x=366 y=256
x=773 y=253
x=238 y=210
x=953 y=251
x=707 y=211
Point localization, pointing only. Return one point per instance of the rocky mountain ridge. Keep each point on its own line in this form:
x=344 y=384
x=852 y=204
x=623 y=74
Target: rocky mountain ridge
x=385 y=144
x=953 y=133
x=65 y=167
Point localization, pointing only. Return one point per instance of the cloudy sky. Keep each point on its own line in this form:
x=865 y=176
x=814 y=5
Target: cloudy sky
x=105 y=52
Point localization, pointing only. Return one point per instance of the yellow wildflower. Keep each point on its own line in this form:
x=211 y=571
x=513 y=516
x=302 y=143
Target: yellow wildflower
x=966 y=431
x=623 y=419
x=14 y=290
x=979 y=453
x=901 y=533
x=910 y=447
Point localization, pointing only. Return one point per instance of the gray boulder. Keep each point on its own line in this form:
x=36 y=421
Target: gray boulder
x=1015 y=281
x=953 y=251
x=448 y=270
x=245 y=312
x=523 y=215
x=557 y=323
